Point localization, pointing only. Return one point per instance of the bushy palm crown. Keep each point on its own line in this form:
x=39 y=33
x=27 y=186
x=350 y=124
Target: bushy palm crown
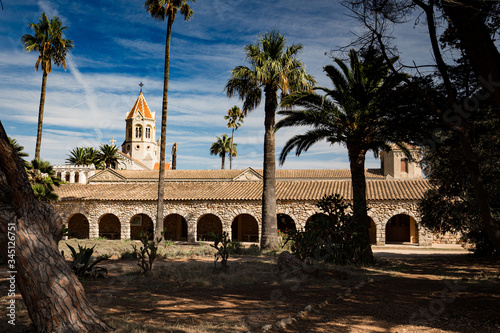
x=49 y=42
x=108 y=154
x=234 y=118
x=161 y=9
x=19 y=150
x=352 y=113
x=43 y=179
x=273 y=67
x=222 y=146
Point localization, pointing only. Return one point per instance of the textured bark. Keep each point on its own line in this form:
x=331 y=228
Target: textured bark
x=40 y=116
x=163 y=144
x=231 y=151
x=269 y=239
x=360 y=215
x=53 y=295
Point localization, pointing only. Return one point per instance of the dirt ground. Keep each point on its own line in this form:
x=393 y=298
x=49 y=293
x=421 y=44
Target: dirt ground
x=406 y=291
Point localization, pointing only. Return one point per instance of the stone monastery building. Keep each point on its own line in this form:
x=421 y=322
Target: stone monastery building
x=119 y=203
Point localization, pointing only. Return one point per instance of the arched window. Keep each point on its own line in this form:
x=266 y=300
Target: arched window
x=148 y=132
x=138 y=132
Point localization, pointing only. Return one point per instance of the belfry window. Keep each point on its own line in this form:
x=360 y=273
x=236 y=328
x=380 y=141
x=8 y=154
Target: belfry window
x=138 y=132
x=148 y=132
x=404 y=165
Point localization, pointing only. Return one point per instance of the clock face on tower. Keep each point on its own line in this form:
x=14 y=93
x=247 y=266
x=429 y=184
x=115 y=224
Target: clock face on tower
x=138 y=118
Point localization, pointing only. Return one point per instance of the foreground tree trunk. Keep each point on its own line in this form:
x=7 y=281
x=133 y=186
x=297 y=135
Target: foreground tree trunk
x=40 y=116
x=269 y=238
x=53 y=295
x=359 y=207
x=163 y=144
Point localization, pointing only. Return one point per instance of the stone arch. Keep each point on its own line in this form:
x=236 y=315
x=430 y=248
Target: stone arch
x=67 y=177
x=401 y=228
x=372 y=231
x=58 y=175
x=141 y=222
x=316 y=215
x=109 y=226
x=245 y=228
x=208 y=223
x=177 y=227
x=78 y=226
x=138 y=131
x=148 y=131
x=285 y=222
x=77 y=177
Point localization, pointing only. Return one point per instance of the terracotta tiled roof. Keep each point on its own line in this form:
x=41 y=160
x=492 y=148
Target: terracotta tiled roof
x=221 y=175
x=140 y=106
x=377 y=190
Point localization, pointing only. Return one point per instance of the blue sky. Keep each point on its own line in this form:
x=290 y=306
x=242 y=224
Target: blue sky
x=118 y=45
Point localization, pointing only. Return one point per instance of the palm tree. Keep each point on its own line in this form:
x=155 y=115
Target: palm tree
x=234 y=120
x=108 y=154
x=273 y=67
x=19 y=150
x=351 y=114
x=159 y=10
x=223 y=146
x=78 y=156
x=43 y=179
x=48 y=41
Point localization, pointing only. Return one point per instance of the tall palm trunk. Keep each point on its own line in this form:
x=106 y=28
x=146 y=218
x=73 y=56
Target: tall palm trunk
x=161 y=178
x=360 y=216
x=54 y=297
x=269 y=219
x=40 y=116
x=231 y=151
x=223 y=161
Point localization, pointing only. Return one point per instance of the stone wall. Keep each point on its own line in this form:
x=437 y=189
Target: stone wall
x=226 y=212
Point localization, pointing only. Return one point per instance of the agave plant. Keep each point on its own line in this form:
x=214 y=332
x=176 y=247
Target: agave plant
x=84 y=264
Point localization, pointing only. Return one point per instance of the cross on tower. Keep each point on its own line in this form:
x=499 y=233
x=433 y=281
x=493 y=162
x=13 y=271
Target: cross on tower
x=112 y=140
x=141 y=85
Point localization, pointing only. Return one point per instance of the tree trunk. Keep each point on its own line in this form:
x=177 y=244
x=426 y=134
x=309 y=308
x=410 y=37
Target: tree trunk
x=360 y=215
x=269 y=239
x=54 y=297
x=475 y=38
x=163 y=143
x=223 y=160
x=231 y=151
x=174 y=156
x=40 y=116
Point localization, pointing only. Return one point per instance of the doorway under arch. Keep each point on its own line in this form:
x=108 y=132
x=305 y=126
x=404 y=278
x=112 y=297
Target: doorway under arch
x=110 y=227
x=245 y=228
x=78 y=226
x=177 y=228
x=401 y=228
x=141 y=222
x=285 y=222
x=372 y=231
x=208 y=223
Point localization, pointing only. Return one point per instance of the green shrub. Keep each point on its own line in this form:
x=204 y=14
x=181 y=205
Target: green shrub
x=84 y=264
x=330 y=238
x=146 y=254
x=222 y=250
x=234 y=247
x=128 y=255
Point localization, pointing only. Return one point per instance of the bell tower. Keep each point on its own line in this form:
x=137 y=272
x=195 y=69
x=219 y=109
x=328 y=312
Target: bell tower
x=140 y=133
x=395 y=164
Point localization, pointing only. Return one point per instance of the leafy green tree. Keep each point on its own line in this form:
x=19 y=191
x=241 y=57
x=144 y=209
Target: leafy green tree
x=159 y=10
x=351 y=114
x=474 y=25
x=19 y=150
x=222 y=147
x=108 y=154
x=274 y=68
x=48 y=40
x=43 y=179
x=234 y=120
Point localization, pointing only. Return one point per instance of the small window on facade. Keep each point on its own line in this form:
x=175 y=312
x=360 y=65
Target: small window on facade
x=404 y=165
x=148 y=132
x=138 y=132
